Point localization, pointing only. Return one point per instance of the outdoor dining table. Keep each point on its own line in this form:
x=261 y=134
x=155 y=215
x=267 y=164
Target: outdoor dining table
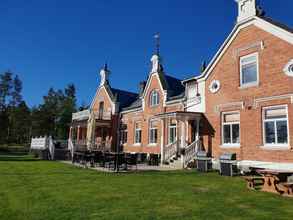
x=272 y=177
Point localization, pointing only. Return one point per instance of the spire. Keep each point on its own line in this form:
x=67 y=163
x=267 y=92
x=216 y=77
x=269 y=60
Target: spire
x=157 y=38
x=156 y=59
x=104 y=74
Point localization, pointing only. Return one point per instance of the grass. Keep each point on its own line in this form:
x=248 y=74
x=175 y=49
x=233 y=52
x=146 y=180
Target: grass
x=33 y=189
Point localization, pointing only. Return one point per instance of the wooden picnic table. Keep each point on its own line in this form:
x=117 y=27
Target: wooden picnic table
x=272 y=179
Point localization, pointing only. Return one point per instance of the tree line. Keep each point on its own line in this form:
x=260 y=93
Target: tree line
x=19 y=122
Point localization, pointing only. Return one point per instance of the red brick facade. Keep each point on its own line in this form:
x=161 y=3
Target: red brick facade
x=274 y=85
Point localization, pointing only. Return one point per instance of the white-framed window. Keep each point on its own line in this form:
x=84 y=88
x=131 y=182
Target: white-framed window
x=123 y=134
x=275 y=126
x=154 y=98
x=172 y=131
x=231 y=128
x=249 y=71
x=137 y=133
x=153 y=132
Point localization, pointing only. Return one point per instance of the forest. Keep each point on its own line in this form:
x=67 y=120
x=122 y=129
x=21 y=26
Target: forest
x=19 y=122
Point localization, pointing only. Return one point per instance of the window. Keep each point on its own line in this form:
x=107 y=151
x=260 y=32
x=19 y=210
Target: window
x=275 y=125
x=231 y=128
x=172 y=132
x=123 y=138
x=101 y=110
x=249 y=70
x=137 y=138
x=153 y=132
x=154 y=98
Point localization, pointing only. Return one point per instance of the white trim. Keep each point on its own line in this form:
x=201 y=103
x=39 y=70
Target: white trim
x=132 y=110
x=250 y=84
x=258 y=22
x=149 y=83
x=230 y=145
x=277 y=145
x=271 y=98
x=111 y=101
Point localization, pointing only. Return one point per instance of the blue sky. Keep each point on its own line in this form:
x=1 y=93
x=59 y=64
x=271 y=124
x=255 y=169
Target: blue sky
x=55 y=42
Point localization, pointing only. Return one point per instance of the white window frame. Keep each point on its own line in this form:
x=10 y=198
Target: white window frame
x=124 y=133
x=137 y=130
x=172 y=126
x=276 y=145
x=228 y=145
x=151 y=133
x=154 y=98
x=245 y=85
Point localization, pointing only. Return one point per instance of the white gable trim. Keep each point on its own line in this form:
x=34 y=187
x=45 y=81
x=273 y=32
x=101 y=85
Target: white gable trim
x=258 y=22
x=164 y=92
x=97 y=92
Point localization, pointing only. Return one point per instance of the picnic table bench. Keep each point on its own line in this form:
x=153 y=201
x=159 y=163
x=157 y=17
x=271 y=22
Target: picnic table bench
x=253 y=181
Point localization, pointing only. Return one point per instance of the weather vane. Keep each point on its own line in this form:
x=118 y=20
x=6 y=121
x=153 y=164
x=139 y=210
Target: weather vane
x=157 y=38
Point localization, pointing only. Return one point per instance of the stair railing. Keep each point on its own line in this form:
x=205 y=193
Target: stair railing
x=190 y=152
x=170 y=150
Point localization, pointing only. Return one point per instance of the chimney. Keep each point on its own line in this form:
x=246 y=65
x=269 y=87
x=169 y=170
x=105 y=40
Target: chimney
x=141 y=87
x=104 y=73
x=246 y=10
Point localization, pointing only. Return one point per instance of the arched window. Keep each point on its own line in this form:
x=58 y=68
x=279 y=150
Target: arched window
x=154 y=98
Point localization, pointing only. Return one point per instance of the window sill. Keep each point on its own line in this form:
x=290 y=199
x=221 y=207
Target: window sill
x=152 y=145
x=249 y=85
x=227 y=146
x=136 y=145
x=275 y=147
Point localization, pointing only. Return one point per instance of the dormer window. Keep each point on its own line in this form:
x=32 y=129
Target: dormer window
x=249 y=70
x=154 y=98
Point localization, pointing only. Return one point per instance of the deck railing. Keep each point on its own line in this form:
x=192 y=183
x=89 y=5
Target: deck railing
x=81 y=115
x=85 y=115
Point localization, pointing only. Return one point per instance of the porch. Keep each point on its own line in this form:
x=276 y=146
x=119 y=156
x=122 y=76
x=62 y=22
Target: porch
x=91 y=131
x=180 y=139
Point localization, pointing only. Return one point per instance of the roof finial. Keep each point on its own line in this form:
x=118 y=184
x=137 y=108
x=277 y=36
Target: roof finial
x=157 y=38
x=106 y=66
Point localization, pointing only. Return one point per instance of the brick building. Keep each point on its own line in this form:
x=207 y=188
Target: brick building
x=242 y=102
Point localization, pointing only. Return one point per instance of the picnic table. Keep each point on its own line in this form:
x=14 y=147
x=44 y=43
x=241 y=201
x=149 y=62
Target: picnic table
x=275 y=181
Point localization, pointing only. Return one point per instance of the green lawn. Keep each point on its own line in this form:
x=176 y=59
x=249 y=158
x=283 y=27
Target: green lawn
x=32 y=189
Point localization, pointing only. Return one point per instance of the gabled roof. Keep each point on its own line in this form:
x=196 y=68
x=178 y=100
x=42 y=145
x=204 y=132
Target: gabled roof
x=174 y=88
x=267 y=24
x=124 y=98
x=277 y=23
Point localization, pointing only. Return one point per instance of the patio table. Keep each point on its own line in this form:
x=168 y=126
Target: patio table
x=272 y=178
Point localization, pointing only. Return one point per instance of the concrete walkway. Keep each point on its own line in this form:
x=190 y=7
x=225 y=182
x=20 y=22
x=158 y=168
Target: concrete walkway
x=140 y=167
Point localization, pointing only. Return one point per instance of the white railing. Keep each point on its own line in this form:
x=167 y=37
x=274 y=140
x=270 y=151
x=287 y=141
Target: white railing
x=51 y=147
x=44 y=143
x=190 y=152
x=81 y=115
x=39 y=143
x=169 y=151
x=71 y=147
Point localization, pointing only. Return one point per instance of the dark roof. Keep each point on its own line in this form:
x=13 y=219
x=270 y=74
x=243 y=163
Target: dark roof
x=277 y=23
x=174 y=88
x=124 y=98
x=134 y=105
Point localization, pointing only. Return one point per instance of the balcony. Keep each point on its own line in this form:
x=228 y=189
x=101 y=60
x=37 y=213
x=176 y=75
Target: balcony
x=85 y=114
x=81 y=115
